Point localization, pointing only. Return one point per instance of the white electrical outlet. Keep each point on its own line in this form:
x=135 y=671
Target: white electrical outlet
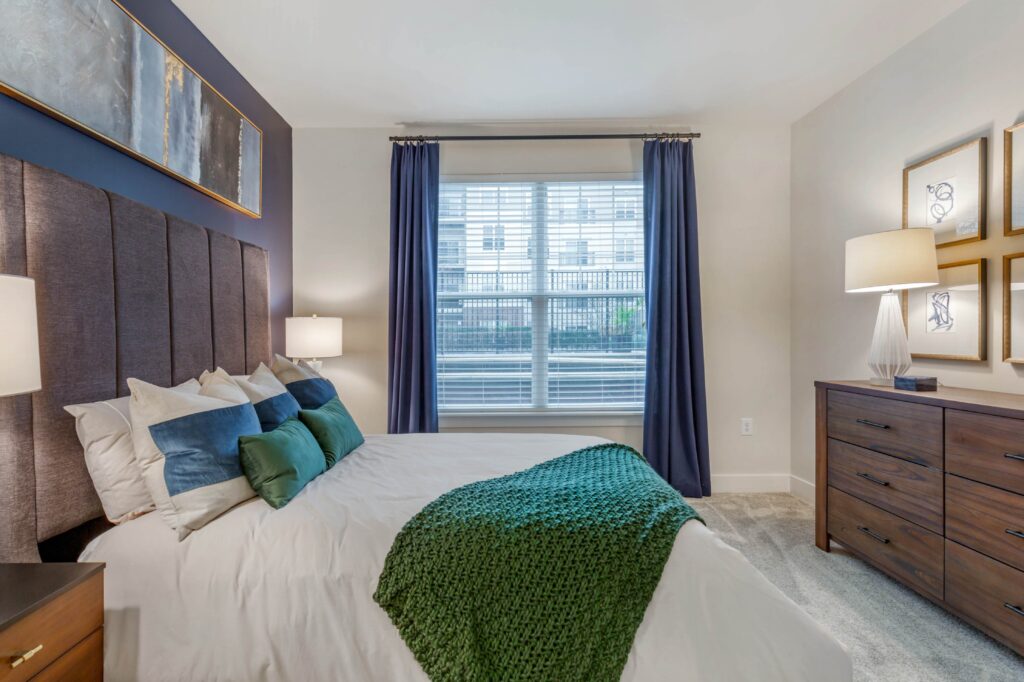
x=746 y=426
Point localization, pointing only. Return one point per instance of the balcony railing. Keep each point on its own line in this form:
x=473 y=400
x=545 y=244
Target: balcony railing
x=506 y=381
x=571 y=324
x=558 y=281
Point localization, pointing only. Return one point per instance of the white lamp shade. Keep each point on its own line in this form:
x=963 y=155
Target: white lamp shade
x=313 y=337
x=898 y=259
x=19 y=341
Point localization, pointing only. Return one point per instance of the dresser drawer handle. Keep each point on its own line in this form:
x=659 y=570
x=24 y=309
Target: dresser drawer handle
x=1016 y=609
x=1015 y=533
x=876 y=481
x=877 y=425
x=16 y=661
x=1010 y=455
x=873 y=535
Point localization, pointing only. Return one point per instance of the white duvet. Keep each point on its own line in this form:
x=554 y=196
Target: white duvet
x=260 y=594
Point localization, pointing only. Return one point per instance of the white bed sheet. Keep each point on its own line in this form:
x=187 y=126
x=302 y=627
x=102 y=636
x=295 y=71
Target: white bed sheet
x=287 y=595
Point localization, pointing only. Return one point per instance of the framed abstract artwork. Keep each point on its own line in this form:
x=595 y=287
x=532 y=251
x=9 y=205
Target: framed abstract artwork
x=946 y=192
x=92 y=65
x=949 y=321
x=1013 y=308
x=1013 y=180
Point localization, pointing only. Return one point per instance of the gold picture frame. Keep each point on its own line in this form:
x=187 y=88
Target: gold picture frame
x=979 y=353
x=1008 y=309
x=978 y=145
x=1009 y=229
x=254 y=210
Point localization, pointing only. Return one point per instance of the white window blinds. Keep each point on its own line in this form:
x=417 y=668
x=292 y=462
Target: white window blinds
x=541 y=296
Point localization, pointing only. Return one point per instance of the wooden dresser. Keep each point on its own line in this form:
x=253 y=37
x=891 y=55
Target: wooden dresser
x=51 y=622
x=929 y=488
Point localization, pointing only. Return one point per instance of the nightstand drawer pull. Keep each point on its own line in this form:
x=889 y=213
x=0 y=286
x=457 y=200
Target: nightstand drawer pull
x=1016 y=609
x=1010 y=455
x=876 y=425
x=873 y=535
x=1015 y=533
x=15 y=662
x=876 y=481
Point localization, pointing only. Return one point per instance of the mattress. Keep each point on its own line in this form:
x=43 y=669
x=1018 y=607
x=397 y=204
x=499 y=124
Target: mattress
x=260 y=594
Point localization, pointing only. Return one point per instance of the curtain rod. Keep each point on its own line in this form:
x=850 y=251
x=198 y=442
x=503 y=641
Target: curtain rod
x=484 y=138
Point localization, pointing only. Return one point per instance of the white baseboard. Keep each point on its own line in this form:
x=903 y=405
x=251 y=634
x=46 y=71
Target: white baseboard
x=802 y=489
x=763 y=483
x=750 y=483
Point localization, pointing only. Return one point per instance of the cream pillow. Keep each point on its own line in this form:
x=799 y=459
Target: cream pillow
x=105 y=431
x=274 y=404
x=305 y=384
x=236 y=377
x=187 y=446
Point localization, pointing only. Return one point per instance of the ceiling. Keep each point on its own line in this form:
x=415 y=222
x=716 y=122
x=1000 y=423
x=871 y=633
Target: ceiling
x=327 y=63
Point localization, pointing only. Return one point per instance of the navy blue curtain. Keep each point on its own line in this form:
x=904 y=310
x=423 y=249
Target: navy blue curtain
x=412 y=339
x=675 y=405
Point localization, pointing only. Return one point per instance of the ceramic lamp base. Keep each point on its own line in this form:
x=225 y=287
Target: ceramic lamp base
x=316 y=365
x=890 y=354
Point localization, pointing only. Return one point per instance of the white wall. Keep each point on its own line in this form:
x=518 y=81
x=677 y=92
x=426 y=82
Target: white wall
x=962 y=79
x=341 y=179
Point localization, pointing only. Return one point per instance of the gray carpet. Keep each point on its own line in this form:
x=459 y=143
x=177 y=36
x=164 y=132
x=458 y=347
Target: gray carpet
x=892 y=634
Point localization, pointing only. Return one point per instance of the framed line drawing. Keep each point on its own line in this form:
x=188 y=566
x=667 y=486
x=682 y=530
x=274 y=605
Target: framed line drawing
x=946 y=192
x=949 y=321
x=1013 y=308
x=1013 y=180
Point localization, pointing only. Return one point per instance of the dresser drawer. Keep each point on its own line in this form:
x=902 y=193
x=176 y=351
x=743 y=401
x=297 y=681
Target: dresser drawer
x=986 y=448
x=906 y=489
x=84 y=663
x=908 y=430
x=904 y=550
x=58 y=626
x=986 y=519
x=987 y=592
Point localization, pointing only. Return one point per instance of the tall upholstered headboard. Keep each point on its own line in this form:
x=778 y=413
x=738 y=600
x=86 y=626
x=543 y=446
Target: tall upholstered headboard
x=123 y=290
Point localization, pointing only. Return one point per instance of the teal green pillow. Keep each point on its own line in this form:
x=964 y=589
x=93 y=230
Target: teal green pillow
x=334 y=429
x=281 y=462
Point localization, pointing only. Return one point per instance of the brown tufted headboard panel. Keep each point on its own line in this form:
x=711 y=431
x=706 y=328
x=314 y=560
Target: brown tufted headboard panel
x=122 y=290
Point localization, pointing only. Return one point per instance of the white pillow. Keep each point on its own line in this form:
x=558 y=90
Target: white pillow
x=307 y=386
x=206 y=373
x=187 y=446
x=273 y=403
x=105 y=431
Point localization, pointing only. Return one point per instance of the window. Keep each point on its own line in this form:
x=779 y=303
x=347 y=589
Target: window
x=451 y=252
x=584 y=213
x=494 y=238
x=575 y=253
x=626 y=208
x=540 y=296
x=625 y=250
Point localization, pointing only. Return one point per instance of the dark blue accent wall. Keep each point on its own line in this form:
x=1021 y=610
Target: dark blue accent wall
x=33 y=136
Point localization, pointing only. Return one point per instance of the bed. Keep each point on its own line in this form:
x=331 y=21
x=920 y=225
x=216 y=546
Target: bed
x=287 y=594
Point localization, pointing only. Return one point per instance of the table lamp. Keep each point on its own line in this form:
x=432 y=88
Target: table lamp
x=19 y=342
x=889 y=262
x=311 y=338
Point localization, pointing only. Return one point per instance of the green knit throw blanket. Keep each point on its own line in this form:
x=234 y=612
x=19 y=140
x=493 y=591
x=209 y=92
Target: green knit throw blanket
x=540 y=575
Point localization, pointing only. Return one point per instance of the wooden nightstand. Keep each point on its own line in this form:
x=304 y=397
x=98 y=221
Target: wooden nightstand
x=51 y=622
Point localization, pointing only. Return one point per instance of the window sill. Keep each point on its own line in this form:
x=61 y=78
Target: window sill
x=540 y=418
